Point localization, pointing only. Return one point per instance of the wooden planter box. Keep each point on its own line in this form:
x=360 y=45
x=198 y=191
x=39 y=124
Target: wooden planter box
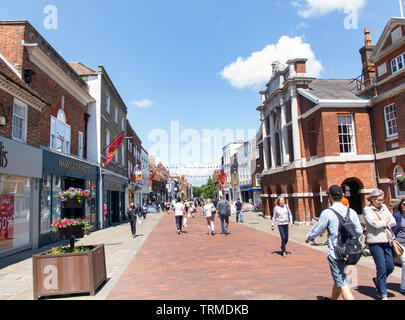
x=68 y=274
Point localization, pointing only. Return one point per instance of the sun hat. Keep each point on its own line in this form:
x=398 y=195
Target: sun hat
x=375 y=194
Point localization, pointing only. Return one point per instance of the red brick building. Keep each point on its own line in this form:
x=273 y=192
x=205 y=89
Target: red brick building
x=383 y=82
x=315 y=133
x=59 y=130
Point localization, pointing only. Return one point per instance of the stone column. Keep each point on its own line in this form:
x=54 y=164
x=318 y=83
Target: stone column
x=266 y=156
x=294 y=122
x=272 y=141
x=284 y=144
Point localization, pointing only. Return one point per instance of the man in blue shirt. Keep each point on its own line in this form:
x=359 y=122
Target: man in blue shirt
x=328 y=220
x=238 y=206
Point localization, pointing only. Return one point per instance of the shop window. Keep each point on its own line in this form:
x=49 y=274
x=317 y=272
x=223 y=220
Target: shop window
x=56 y=204
x=19 y=121
x=15 y=211
x=46 y=203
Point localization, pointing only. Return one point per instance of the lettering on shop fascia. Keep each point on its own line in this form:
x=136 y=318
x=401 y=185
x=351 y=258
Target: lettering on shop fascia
x=3 y=156
x=72 y=166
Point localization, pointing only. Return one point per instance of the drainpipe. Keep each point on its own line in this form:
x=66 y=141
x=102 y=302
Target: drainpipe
x=371 y=119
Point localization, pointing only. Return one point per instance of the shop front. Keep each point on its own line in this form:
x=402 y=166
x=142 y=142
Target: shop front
x=114 y=189
x=19 y=202
x=59 y=174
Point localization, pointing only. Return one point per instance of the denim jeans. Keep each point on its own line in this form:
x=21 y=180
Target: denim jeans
x=384 y=261
x=284 y=236
x=224 y=223
x=239 y=213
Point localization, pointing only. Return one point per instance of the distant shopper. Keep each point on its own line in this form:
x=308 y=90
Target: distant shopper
x=178 y=213
x=209 y=210
x=283 y=216
x=399 y=231
x=144 y=211
x=238 y=205
x=224 y=210
x=132 y=218
x=329 y=220
x=379 y=222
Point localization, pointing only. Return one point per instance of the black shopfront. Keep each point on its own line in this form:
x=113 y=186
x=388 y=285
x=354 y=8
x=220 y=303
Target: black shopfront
x=114 y=188
x=59 y=174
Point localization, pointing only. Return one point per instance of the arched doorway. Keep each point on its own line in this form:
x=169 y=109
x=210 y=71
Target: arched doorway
x=351 y=190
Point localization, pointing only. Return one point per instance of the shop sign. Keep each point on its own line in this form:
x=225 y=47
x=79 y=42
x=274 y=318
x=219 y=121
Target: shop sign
x=14 y=159
x=65 y=164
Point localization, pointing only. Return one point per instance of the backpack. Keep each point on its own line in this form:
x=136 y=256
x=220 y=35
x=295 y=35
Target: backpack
x=348 y=247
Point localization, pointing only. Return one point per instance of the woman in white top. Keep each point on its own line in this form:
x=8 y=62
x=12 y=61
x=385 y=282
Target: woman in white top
x=209 y=210
x=379 y=222
x=282 y=214
x=178 y=213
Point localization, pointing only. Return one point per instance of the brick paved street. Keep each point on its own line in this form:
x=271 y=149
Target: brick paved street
x=242 y=265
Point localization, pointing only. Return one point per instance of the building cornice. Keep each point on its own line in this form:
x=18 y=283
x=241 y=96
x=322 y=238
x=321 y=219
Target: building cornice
x=21 y=94
x=47 y=65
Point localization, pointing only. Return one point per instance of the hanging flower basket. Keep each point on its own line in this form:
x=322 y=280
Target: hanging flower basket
x=399 y=180
x=73 y=197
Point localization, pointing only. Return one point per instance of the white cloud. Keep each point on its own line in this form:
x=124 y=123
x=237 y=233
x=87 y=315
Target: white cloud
x=145 y=103
x=255 y=70
x=314 y=8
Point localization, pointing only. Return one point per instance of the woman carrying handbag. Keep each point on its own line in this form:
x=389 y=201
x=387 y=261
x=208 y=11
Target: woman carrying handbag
x=379 y=221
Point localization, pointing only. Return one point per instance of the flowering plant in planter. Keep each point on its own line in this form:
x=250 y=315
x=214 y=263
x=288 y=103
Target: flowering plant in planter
x=73 y=194
x=62 y=250
x=59 y=224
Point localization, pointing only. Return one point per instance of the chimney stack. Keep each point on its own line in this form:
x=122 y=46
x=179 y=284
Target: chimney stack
x=368 y=71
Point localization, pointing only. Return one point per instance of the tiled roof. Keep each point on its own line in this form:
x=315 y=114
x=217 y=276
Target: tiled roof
x=334 y=89
x=81 y=69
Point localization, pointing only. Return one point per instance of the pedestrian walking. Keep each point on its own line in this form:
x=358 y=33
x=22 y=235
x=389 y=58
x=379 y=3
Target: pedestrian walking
x=178 y=214
x=399 y=232
x=329 y=220
x=379 y=221
x=210 y=210
x=282 y=214
x=132 y=218
x=144 y=211
x=138 y=211
x=238 y=205
x=224 y=210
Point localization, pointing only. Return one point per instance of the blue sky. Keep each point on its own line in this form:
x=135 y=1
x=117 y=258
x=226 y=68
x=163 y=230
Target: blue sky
x=179 y=59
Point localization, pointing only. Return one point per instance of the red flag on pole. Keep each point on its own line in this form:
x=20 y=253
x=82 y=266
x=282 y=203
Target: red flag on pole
x=113 y=148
